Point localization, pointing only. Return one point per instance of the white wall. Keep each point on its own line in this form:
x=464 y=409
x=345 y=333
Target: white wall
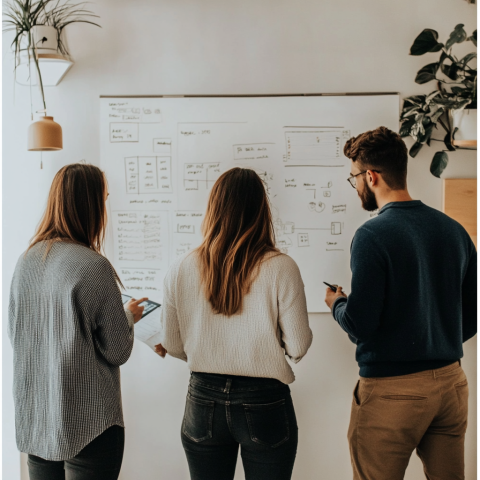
x=220 y=47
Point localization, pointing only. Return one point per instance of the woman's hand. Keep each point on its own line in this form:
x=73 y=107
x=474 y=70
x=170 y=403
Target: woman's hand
x=160 y=350
x=133 y=306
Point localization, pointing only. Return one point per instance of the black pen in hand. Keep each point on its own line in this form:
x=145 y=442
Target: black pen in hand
x=332 y=287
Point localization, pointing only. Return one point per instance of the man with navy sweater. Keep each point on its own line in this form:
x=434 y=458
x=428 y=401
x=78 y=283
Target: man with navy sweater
x=413 y=303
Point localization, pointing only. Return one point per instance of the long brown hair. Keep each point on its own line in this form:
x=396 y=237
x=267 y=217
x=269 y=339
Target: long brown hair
x=238 y=233
x=76 y=208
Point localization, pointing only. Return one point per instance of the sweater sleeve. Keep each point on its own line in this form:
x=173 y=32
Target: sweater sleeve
x=469 y=298
x=11 y=314
x=100 y=301
x=359 y=314
x=292 y=313
x=171 y=337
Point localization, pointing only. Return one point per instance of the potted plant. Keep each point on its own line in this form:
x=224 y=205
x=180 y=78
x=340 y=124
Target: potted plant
x=38 y=27
x=456 y=81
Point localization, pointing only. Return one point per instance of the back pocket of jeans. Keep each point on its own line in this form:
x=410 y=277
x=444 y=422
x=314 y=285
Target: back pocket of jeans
x=198 y=419
x=268 y=423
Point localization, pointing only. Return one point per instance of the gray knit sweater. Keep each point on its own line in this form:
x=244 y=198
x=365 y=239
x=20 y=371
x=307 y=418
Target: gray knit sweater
x=69 y=333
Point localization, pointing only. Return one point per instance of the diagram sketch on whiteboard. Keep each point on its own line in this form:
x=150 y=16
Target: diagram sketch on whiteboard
x=322 y=148
x=148 y=175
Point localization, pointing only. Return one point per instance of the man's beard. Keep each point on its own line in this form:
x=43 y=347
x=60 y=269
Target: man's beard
x=369 y=202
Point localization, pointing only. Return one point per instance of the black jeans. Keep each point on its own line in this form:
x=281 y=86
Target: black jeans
x=101 y=459
x=224 y=412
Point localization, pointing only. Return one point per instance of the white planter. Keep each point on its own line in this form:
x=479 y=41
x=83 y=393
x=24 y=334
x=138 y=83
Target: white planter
x=43 y=37
x=466 y=122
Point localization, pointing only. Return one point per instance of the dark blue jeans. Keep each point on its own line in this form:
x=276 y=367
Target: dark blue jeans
x=224 y=412
x=101 y=459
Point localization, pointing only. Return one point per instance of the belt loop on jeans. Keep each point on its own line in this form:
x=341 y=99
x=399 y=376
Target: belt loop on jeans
x=460 y=361
x=228 y=385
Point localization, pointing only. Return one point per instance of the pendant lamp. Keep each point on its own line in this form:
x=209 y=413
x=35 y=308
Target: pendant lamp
x=45 y=135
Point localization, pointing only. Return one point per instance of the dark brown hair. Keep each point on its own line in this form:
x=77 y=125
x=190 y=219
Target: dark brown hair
x=238 y=233
x=76 y=208
x=383 y=150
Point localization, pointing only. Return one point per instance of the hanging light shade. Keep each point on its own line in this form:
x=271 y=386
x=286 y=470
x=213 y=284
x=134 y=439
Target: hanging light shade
x=45 y=135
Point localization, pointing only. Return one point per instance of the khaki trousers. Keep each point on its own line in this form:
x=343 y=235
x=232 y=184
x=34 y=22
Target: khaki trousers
x=393 y=416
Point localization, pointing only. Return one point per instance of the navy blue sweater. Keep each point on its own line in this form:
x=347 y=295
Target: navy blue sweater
x=413 y=300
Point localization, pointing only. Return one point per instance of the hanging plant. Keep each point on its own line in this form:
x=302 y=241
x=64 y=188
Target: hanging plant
x=456 y=81
x=22 y=16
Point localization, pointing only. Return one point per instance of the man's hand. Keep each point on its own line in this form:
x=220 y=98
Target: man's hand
x=160 y=350
x=331 y=296
x=133 y=306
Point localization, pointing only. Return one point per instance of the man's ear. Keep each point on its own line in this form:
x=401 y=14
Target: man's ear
x=372 y=178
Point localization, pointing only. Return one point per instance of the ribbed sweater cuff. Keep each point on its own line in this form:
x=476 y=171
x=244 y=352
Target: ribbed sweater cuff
x=336 y=303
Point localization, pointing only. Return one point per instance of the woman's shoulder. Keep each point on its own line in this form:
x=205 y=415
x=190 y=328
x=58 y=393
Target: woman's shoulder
x=278 y=268
x=280 y=262
x=66 y=255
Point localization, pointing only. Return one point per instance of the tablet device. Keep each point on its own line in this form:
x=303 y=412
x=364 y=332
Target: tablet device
x=148 y=304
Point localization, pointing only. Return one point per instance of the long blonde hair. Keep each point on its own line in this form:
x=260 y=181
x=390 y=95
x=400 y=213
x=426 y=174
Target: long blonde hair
x=238 y=232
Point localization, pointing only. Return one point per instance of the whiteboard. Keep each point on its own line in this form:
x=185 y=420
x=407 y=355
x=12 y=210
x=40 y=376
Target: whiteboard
x=162 y=155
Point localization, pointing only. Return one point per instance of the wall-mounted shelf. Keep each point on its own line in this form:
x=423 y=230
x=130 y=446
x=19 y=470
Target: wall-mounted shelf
x=465 y=143
x=53 y=68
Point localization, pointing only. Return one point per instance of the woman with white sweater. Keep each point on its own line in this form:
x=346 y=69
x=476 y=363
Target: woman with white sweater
x=233 y=309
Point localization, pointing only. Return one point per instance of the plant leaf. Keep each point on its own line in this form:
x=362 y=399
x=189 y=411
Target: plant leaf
x=448 y=142
x=415 y=148
x=468 y=58
x=427 y=73
x=437 y=115
x=425 y=42
x=439 y=163
x=461 y=104
x=458 y=35
x=414 y=100
x=453 y=71
x=443 y=57
x=432 y=95
x=406 y=127
x=473 y=38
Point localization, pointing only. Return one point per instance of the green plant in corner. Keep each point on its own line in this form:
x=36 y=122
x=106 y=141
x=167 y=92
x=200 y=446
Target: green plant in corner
x=456 y=89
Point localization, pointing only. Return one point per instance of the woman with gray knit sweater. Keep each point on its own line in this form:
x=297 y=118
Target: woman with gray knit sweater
x=70 y=332
x=233 y=309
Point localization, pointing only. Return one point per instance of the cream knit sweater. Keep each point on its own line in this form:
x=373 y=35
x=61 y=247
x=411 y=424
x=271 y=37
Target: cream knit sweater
x=273 y=322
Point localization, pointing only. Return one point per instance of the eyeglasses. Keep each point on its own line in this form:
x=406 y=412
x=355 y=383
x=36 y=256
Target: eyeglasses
x=353 y=180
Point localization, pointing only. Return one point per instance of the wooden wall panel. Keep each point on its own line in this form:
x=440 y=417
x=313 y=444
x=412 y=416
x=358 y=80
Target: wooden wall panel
x=460 y=202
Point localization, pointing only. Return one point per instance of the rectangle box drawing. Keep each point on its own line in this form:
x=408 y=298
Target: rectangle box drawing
x=253 y=151
x=336 y=228
x=315 y=147
x=148 y=175
x=185 y=228
x=123 y=132
x=204 y=174
x=303 y=240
